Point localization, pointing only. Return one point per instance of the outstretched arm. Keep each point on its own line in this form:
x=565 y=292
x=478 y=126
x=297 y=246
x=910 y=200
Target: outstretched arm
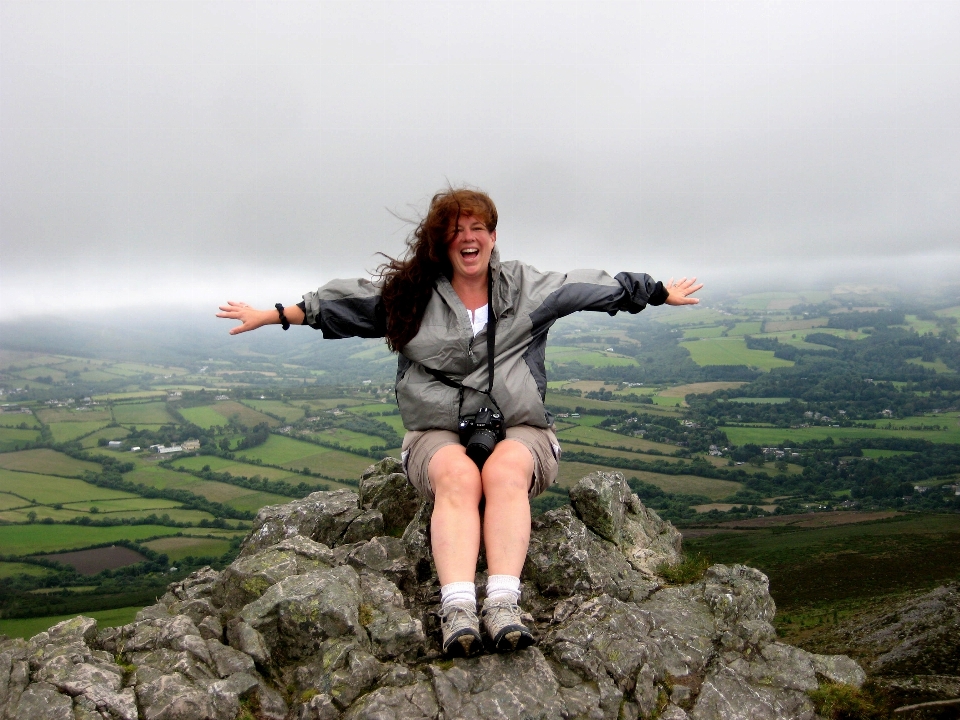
x=679 y=293
x=251 y=318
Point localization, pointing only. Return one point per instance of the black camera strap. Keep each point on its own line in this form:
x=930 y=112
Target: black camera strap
x=491 y=343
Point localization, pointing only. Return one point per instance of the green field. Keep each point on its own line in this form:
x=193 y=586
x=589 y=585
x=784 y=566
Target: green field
x=731 y=351
x=570 y=403
x=236 y=497
x=51 y=416
x=13 y=438
x=46 y=462
x=790 y=436
x=593 y=358
x=15 y=419
x=67 y=431
x=809 y=567
x=289 y=413
x=238 y=469
x=13 y=569
x=710 y=331
x=611 y=439
x=177 y=548
x=572 y=472
x=48 y=489
x=28 y=627
x=278 y=450
x=26 y=539
x=937 y=365
x=108 y=433
x=204 y=416
x=349 y=438
x=231 y=410
x=148 y=413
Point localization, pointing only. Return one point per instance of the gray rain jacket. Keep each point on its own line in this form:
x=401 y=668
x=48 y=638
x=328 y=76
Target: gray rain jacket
x=525 y=302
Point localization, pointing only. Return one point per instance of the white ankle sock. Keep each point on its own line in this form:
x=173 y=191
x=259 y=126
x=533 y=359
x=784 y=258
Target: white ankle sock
x=503 y=587
x=461 y=593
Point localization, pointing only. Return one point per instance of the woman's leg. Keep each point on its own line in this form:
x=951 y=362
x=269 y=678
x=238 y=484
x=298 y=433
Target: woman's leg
x=455 y=524
x=506 y=481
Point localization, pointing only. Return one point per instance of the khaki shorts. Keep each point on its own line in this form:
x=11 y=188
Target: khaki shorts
x=420 y=445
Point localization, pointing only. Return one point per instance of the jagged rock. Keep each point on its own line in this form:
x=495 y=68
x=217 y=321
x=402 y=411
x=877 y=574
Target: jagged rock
x=392 y=630
x=727 y=695
x=228 y=661
x=249 y=576
x=210 y=628
x=384 y=487
x=921 y=637
x=605 y=504
x=298 y=613
x=344 y=621
x=516 y=685
x=42 y=701
x=332 y=518
x=247 y=640
x=839 y=669
x=566 y=558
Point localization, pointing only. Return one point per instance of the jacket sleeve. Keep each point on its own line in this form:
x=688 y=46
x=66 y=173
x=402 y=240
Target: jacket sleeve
x=346 y=308
x=596 y=290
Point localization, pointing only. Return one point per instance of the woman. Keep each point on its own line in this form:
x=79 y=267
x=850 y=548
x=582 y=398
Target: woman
x=433 y=306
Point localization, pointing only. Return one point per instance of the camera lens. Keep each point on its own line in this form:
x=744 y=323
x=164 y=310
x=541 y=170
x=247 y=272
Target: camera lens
x=480 y=445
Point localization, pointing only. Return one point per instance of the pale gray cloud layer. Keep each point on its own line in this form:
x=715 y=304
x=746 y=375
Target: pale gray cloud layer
x=179 y=152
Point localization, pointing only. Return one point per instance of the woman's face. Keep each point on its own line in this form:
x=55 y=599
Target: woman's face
x=470 y=247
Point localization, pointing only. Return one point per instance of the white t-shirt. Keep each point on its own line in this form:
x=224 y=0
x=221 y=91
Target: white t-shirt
x=478 y=318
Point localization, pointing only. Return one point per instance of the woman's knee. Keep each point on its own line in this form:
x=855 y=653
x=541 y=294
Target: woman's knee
x=509 y=469
x=454 y=476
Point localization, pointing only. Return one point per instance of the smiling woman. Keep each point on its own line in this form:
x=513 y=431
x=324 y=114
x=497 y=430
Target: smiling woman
x=471 y=333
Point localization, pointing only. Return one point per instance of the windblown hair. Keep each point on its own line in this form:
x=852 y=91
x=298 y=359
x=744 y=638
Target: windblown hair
x=408 y=282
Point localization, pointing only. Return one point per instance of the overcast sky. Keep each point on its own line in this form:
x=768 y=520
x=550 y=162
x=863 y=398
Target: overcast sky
x=180 y=153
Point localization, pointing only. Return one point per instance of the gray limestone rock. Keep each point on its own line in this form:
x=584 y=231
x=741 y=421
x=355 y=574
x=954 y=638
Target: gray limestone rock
x=606 y=505
x=247 y=640
x=326 y=517
x=42 y=701
x=410 y=702
x=228 y=661
x=727 y=695
x=319 y=707
x=393 y=631
x=514 y=685
x=249 y=576
x=384 y=487
x=210 y=628
x=839 y=669
x=298 y=613
x=567 y=558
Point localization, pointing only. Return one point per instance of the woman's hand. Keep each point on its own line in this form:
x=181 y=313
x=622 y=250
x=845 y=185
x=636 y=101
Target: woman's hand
x=679 y=292
x=250 y=318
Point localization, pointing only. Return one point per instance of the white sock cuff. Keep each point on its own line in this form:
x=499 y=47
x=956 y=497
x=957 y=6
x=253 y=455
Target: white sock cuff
x=461 y=593
x=503 y=587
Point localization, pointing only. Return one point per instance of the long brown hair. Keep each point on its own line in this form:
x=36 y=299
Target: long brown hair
x=408 y=282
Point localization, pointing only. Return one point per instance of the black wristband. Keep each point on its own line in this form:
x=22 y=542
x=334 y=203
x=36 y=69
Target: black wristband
x=283 y=318
x=659 y=295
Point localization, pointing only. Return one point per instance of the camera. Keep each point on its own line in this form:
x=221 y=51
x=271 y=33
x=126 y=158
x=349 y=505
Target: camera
x=480 y=432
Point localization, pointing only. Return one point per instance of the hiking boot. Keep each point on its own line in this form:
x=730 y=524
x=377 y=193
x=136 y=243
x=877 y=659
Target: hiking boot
x=461 y=631
x=501 y=620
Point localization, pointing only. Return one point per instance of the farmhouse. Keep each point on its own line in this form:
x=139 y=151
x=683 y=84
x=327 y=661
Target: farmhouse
x=191 y=444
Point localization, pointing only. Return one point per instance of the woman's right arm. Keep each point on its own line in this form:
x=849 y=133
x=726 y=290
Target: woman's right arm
x=340 y=309
x=251 y=318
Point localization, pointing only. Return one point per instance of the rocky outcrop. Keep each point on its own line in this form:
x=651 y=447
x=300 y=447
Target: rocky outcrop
x=912 y=648
x=330 y=612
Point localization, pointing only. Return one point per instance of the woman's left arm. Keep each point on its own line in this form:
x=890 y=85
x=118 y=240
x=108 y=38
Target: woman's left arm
x=250 y=318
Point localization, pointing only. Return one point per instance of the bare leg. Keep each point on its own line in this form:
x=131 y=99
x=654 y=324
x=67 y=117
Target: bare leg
x=506 y=522
x=455 y=524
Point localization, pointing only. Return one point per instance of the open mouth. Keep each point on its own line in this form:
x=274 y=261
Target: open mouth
x=470 y=252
